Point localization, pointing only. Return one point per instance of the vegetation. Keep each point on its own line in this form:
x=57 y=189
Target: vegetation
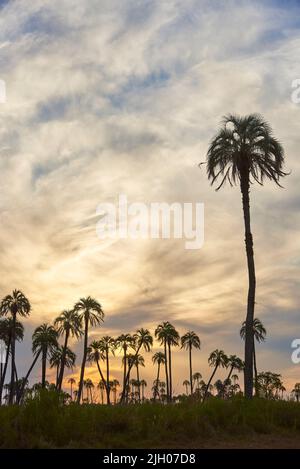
x=43 y=422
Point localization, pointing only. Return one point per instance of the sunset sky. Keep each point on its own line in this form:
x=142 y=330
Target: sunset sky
x=122 y=97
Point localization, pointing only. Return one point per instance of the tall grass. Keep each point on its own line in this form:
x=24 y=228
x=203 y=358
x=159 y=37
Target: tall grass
x=44 y=423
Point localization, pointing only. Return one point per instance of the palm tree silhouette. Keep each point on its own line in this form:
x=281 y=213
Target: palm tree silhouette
x=14 y=304
x=114 y=387
x=259 y=334
x=188 y=341
x=71 y=381
x=168 y=336
x=107 y=344
x=296 y=391
x=44 y=341
x=68 y=323
x=234 y=363
x=143 y=385
x=143 y=339
x=158 y=358
x=6 y=329
x=101 y=386
x=216 y=359
x=125 y=341
x=91 y=314
x=95 y=353
x=59 y=356
x=243 y=151
x=196 y=379
x=89 y=385
x=186 y=383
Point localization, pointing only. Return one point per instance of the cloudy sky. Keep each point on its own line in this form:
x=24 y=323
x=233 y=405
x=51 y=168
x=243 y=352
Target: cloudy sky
x=109 y=97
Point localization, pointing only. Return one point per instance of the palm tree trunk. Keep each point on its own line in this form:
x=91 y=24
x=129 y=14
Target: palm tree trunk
x=191 y=370
x=63 y=360
x=12 y=371
x=138 y=381
x=248 y=373
x=208 y=384
x=5 y=368
x=170 y=375
x=107 y=378
x=230 y=373
x=85 y=345
x=125 y=367
x=20 y=396
x=101 y=374
x=255 y=368
x=166 y=369
x=157 y=381
x=71 y=391
x=44 y=361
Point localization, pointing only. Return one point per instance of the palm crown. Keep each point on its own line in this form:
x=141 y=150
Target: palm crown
x=189 y=340
x=90 y=310
x=245 y=146
x=259 y=330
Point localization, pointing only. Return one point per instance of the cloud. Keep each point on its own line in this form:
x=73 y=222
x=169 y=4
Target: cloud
x=116 y=97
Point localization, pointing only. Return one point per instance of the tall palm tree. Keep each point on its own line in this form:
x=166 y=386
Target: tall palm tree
x=6 y=328
x=91 y=314
x=14 y=304
x=242 y=152
x=69 y=324
x=107 y=345
x=216 y=359
x=101 y=386
x=125 y=341
x=158 y=358
x=95 y=353
x=168 y=336
x=60 y=356
x=143 y=340
x=188 y=341
x=44 y=341
x=186 y=383
x=234 y=363
x=71 y=381
x=259 y=334
x=138 y=360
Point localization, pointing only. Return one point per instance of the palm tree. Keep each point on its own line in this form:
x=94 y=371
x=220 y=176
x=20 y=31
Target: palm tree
x=243 y=151
x=68 y=323
x=14 y=304
x=296 y=391
x=234 y=363
x=138 y=360
x=114 y=387
x=89 y=385
x=196 y=379
x=259 y=334
x=188 y=341
x=60 y=356
x=158 y=358
x=44 y=341
x=101 y=386
x=186 y=383
x=125 y=341
x=71 y=381
x=168 y=336
x=91 y=314
x=216 y=359
x=107 y=344
x=143 y=339
x=95 y=353
x=143 y=384
x=6 y=328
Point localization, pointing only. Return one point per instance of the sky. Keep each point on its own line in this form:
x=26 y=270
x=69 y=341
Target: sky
x=106 y=98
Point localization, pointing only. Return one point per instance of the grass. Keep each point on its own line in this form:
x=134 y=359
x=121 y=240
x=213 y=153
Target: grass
x=44 y=423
